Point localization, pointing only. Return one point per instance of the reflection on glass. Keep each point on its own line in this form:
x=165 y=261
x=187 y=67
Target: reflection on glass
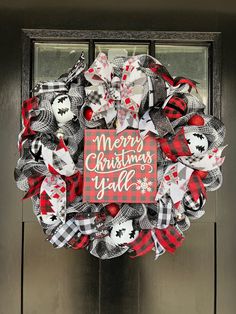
x=188 y=61
x=53 y=59
x=121 y=50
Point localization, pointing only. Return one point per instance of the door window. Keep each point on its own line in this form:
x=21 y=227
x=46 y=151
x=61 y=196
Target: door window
x=52 y=59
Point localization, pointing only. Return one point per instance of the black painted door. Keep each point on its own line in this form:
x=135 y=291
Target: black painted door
x=34 y=278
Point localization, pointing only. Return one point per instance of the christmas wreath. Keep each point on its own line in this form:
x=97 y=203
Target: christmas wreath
x=118 y=157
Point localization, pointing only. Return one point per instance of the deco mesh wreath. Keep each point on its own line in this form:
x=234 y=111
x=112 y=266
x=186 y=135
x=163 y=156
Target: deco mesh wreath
x=118 y=158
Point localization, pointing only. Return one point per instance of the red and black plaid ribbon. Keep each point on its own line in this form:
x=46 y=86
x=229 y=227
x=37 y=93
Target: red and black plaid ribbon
x=79 y=242
x=26 y=113
x=45 y=204
x=34 y=186
x=175 y=146
x=175 y=108
x=183 y=80
x=162 y=71
x=74 y=186
x=170 y=238
x=196 y=186
x=142 y=244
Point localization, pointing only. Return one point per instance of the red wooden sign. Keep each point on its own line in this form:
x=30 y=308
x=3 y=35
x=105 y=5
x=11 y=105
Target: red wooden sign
x=120 y=167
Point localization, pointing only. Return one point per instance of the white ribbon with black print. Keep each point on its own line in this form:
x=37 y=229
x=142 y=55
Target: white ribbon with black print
x=174 y=182
x=209 y=161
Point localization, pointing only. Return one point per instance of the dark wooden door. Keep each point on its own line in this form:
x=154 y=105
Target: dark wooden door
x=34 y=278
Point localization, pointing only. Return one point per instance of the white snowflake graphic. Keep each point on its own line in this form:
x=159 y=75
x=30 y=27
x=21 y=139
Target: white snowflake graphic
x=143 y=185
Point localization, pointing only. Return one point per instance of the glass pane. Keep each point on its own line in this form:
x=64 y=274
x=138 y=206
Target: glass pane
x=120 y=50
x=53 y=59
x=188 y=61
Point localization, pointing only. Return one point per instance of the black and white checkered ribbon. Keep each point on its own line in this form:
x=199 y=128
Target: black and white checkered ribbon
x=157 y=215
x=50 y=87
x=64 y=233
